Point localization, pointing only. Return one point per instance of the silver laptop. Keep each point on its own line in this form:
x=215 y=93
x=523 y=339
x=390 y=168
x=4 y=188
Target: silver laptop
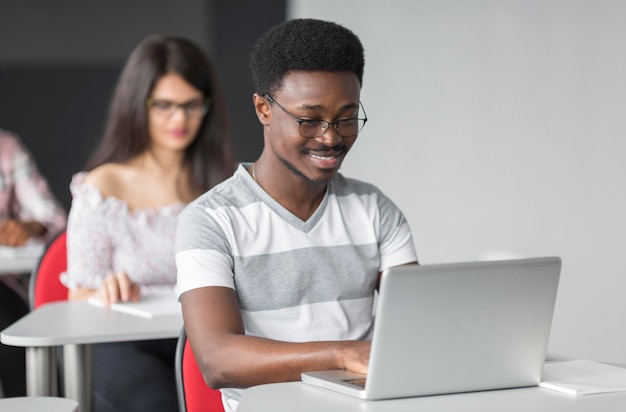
x=458 y=327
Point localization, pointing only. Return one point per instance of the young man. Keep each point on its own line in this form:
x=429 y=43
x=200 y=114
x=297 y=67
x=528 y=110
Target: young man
x=278 y=265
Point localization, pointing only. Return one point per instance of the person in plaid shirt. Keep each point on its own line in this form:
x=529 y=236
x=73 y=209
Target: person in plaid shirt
x=28 y=210
x=27 y=207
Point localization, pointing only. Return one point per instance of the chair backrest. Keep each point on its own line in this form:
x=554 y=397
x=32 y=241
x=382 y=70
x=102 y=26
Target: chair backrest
x=45 y=285
x=194 y=395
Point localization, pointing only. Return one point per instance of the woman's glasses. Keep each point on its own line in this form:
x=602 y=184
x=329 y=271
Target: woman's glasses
x=193 y=109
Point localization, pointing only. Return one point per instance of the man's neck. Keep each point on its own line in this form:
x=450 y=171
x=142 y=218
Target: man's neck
x=294 y=192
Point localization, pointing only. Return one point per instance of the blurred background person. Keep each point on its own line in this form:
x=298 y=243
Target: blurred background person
x=28 y=211
x=166 y=141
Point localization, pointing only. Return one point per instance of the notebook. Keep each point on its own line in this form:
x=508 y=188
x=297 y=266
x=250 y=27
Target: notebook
x=456 y=327
x=583 y=377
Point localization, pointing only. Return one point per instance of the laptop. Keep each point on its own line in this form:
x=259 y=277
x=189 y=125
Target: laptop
x=455 y=327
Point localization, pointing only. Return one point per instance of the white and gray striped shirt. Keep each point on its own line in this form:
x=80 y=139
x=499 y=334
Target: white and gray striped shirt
x=295 y=280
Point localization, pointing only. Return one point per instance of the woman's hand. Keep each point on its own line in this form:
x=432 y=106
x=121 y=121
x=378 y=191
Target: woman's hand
x=118 y=287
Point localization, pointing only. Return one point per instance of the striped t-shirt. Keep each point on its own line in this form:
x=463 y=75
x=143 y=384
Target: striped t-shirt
x=295 y=280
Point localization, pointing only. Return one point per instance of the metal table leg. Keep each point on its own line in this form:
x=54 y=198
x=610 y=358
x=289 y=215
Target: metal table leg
x=41 y=371
x=77 y=375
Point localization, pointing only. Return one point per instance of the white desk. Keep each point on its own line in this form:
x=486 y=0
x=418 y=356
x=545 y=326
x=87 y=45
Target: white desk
x=9 y=266
x=298 y=396
x=19 y=260
x=76 y=325
x=38 y=404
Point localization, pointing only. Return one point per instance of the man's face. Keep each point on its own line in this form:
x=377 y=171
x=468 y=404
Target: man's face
x=329 y=96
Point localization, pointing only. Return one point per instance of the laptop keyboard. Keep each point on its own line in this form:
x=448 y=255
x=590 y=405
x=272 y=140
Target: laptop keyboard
x=360 y=382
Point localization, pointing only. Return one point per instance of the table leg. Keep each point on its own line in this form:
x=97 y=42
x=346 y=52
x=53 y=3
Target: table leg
x=78 y=375
x=41 y=371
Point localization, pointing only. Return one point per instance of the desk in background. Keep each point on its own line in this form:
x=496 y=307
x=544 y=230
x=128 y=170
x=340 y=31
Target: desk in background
x=301 y=397
x=75 y=326
x=19 y=260
x=38 y=404
x=10 y=266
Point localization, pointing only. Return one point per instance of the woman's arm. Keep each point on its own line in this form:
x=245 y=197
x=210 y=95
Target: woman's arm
x=89 y=243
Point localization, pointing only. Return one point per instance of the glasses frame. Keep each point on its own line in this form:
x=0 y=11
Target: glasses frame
x=206 y=105
x=336 y=124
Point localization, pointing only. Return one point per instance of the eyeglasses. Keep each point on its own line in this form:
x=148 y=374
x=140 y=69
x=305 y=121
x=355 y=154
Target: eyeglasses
x=165 y=108
x=311 y=128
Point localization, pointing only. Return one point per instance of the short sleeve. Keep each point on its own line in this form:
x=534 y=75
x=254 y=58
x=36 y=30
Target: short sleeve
x=203 y=252
x=396 y=240
x=88 y=240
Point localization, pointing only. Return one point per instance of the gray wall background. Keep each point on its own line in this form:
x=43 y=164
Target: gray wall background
x=59 y=61
x=498 y=127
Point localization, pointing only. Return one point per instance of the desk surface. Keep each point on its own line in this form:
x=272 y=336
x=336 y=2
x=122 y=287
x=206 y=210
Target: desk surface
x=38 y=404
x=302 y=397
x=75 y=326
x=65 y=322
x=19 y=260
x=13 y=265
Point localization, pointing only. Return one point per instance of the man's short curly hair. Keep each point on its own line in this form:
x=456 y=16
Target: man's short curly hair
x=304 y=45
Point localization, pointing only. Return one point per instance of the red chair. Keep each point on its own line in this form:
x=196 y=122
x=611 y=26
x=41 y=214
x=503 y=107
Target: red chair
x=45 y=285
x=194 y=395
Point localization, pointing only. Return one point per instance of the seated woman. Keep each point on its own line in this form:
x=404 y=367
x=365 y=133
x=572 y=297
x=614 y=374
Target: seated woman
x=166 y=141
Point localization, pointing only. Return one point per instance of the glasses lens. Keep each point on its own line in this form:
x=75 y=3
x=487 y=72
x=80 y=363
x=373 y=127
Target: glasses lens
x=196 y=108
x=313 y=128
x=344 y=128
x=350 y=127
x=165 y=108
x=161 y=107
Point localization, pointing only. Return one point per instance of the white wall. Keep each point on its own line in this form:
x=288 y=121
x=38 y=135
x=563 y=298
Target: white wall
x=498 y=127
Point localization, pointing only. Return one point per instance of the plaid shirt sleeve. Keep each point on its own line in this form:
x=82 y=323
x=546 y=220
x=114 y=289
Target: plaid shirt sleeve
x=24 y=193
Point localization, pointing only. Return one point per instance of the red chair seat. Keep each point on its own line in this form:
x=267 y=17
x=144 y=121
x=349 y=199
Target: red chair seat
x=45 y=284
x=194 y=394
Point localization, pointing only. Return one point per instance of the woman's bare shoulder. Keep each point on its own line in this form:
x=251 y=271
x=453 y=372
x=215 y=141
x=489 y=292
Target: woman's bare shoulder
x=109 y=178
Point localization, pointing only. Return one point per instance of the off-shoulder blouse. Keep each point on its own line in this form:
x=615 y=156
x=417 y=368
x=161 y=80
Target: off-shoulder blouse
x=104 y=235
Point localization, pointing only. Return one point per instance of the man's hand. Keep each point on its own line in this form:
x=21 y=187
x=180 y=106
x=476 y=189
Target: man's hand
x=354 y=355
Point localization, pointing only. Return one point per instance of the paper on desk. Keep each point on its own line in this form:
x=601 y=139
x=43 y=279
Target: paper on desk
x=583 y=377
x=149 y=306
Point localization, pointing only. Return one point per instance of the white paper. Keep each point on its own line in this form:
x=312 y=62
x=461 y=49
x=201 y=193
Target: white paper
x=149 y=306
x=583 y=377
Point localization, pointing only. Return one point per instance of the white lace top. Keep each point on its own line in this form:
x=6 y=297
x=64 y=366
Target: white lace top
x=103 y=235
